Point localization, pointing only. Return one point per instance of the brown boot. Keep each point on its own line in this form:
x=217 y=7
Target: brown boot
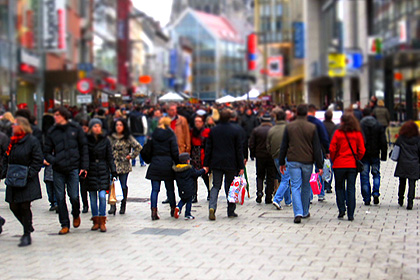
x=102 y=222
x=64 y=230
x=95 y=223
x=155 y=215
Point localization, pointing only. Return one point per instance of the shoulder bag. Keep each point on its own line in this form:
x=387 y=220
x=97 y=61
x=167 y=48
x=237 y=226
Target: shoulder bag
x=359 y=163
x=146 y=152
x=17 y=175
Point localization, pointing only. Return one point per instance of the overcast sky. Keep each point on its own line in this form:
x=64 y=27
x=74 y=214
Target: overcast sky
x=160 y=10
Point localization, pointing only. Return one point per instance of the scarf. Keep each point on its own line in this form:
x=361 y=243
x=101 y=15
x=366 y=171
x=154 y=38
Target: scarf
x=14 y=139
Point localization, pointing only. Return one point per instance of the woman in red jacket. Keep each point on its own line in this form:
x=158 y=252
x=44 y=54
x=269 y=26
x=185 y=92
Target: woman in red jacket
x=344 y=163
x=199 y=134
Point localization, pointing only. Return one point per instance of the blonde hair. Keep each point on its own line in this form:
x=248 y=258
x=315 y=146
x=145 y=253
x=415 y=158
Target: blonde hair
x=165 y=122
x=8 y=116
x=24 y=124
x=381 y=103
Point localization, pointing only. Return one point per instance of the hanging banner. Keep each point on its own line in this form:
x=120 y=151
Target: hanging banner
x=336 y=65
x=54 y=25
x=299 y=39
x=252 y=52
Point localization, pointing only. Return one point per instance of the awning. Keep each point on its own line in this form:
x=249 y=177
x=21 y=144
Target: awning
x=286 y=82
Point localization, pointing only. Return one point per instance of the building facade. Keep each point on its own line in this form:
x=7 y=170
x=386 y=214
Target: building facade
x=218 y=53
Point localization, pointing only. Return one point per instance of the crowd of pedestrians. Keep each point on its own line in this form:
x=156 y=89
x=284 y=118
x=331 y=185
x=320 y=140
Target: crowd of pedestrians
x=84 y=152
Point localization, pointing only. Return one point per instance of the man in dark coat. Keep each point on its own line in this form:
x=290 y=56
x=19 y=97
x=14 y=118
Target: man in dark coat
x=323 y=139
x=264 y=163
x=249 y=122
x=225 y=157
x=66 y=149
x=375 y=143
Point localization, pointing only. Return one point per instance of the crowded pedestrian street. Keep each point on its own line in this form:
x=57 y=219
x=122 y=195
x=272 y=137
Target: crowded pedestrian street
x=262 y=243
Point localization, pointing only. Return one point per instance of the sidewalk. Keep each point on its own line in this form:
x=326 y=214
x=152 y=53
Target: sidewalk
x=262 y=243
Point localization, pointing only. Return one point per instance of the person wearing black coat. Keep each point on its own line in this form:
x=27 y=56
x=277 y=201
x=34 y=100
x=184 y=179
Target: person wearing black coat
x=101 y=166
x=4 y=143
x=24 y=149
x=408 y=161
x=66 y=149
x=164 y=154
x=224 y=156
x=375 y=144
x=186 y=176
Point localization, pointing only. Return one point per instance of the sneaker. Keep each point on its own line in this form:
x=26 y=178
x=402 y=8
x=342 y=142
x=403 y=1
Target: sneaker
x=258 y=199
x=321 y=199
x=375 y=199
x=289 y=205
x=176 y=213
x=76 y=222
x=64 y=230
x=212 y=215
x=189 y=217
x=297 y=219
x=278 y=206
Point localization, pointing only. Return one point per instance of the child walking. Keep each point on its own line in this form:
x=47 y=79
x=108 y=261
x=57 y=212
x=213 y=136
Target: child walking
x=185 y=175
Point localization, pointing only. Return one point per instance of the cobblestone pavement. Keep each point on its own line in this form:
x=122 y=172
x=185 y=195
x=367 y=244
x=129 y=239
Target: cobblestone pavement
x=381 y=243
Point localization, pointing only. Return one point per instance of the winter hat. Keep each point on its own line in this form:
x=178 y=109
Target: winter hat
x=94 y=121
x=266 y=118
x=184 y=157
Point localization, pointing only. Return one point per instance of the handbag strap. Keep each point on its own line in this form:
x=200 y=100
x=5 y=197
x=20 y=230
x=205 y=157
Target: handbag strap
x=348 y=141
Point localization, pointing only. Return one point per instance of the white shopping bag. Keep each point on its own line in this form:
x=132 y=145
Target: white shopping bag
x=237 y=190
x=118 y=190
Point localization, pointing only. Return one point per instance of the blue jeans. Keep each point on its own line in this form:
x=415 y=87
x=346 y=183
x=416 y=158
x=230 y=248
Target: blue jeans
x=93 y=195
x=71 y=181
x=284 y=187
x=300 y=174
x=170 y=192
x=372 y=165
x=345 y=192
x=50 y=192
x=141 y=140
x=188 y=206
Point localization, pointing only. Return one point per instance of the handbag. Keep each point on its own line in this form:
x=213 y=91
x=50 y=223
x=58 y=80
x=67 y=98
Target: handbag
x=395 y=153
x=146 y=152
x=359 y=163
x=17 y=175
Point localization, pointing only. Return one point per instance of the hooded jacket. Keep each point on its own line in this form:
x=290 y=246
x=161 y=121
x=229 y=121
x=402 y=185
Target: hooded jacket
x=375 y=140
x=164 y=154
x=185 y=175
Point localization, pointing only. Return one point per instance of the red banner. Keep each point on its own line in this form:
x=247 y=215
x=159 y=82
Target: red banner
x=123 y=44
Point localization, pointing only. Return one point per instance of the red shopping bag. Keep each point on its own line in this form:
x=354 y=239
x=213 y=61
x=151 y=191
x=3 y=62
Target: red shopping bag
x=315 y=182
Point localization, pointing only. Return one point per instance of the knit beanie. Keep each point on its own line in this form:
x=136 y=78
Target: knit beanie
x=94 y=121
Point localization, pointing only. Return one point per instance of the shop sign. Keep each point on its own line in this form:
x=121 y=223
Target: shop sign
x=84 y=98
x=299 y=39
x=275 y=66
x=374 y=46
x=84 y=86
x=354 y=61
x=336 y=65
x=402 y=31
x=54 y=25
x=29 y=58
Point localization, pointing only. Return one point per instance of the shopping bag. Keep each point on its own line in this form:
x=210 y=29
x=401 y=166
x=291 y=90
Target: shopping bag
x=315 y=183
x=395 y=153
x=327 y=170
x=111 y=198
x=118 y=190
x=237 y=190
